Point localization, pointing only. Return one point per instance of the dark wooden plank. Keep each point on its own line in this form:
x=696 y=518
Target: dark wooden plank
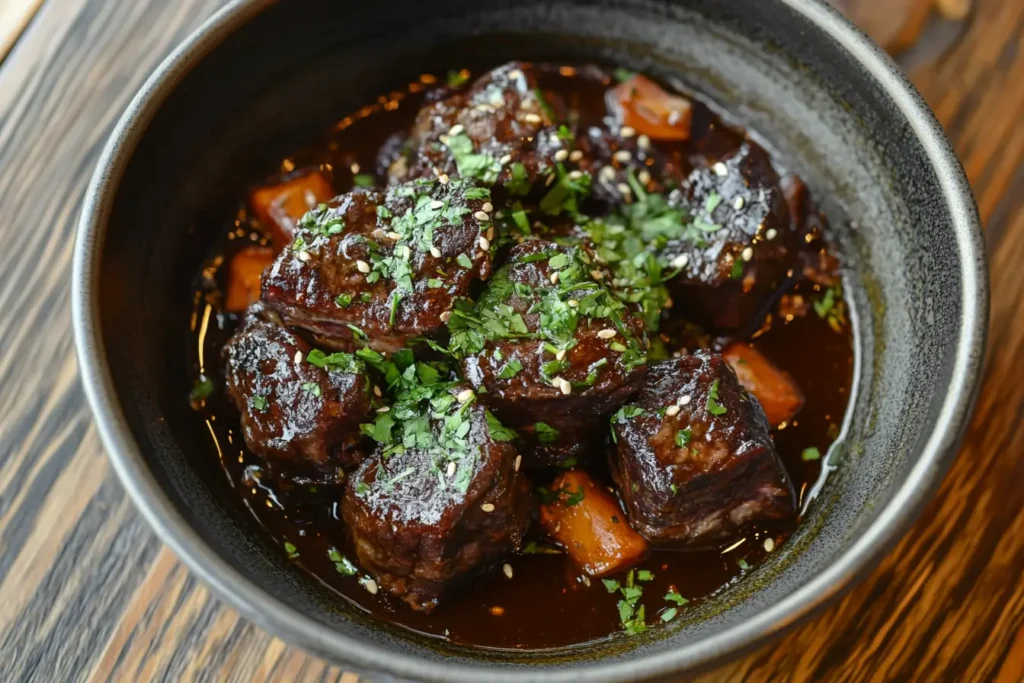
x=86 y=592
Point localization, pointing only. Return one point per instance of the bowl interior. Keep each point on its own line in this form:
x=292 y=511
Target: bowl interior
x=293 y=69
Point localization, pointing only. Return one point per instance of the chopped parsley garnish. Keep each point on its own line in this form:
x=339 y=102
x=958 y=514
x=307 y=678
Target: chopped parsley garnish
x=344 y=300
x=631 y=613
x=202 y=390
x=622 y=74
x=363 y=180
x=673 y=596
x=259 y=403
x=737 y=269
x=545 y=433
x=683 y=437
x=311 y=388
x=534 y=548
x=464 y=261
x=832 y=308
x=482 y=167
x=810 y=454
x=292 y=551
x=669 y=614
x=712 y=405
x=335 y=362
x=511 y=369
x=519 y=184
x=341 y=563
x=498 y=431
x=564 y=496
x=566 y=193
x=644 y=575
x=742 y=564
x=323 y=221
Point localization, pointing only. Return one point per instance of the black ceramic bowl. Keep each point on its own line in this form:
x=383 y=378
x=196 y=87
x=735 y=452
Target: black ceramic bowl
x=263 y=77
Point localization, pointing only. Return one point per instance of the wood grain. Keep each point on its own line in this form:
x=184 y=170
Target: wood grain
x=88 y=593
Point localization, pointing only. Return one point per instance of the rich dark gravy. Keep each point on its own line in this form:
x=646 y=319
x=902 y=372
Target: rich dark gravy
x=547 y=602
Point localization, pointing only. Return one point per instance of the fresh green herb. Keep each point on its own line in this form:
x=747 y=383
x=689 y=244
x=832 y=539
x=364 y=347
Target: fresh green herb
x=669 y=614
x=311 y=388
x=565 y=135
x=544 y=106
x=260 y=403
x=712 y=405
x=482 y=167
x=464 y=261
x=673 y=488
x=545 y=433
x=511 y=369
x=434 y=283
x=202 y=390
x=622 y=75
x=344 y=300
x=832 y=308
x=631 y=614
x=396 y=298
x=644 y=575
x=824 y=305
x=566 y=193
x=341 y=563
x=563 y=496
x=683 y=437
x=362 y=488
x=292 y=551
x=712 y=202
x=558 y=261
x=574 y=498
x=742 y=563
x=520 y=218
x=498 y=431
x=533 y=548
x=363 y=180
x=380 y=429
x=611 y=584
x=673 y=596
x=737 y=269
x=335 y=362
x=519 y=184
x=810 y=454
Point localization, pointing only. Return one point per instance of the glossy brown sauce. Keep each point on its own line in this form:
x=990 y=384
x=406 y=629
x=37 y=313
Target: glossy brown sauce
x=547 y=602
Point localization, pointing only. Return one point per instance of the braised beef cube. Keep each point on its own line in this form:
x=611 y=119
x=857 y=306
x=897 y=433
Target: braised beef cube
x=694 y=462
x=739 y=249
x=550 y=348
x=381 y=268
x=280 y=205
x=441 y=500
x=621 y=162
x=499 y=130
x=301 y=409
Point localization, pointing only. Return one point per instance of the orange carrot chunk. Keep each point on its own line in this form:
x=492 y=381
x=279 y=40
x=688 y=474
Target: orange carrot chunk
x=774 y=389
x=587 y=520
x=244 y=271
x=644 y=106
x=281 y=205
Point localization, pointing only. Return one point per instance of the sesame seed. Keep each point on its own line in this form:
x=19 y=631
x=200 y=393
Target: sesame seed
x=443 y=137
x=490 y=231
x=376 y=391
x=451 y=469
x=585 y=579
x=487 y=507
x=304 y=256
x=378 y=234
x=488 y=207
x=643 y=142
x=573 y=303
x=406 y=252
x=532 y=118
x=680 y=261
x=362 y=266
x=456 y=129
x=575 y=155
x=519 y=461
x=383 y=409
x=435 y=252
x=505 y=159
x=481 y=216
x=624 y=190
x=561 y=155
x=554 y=278
x=436 y=204
x=770 y=235
x=515 y=74
x=720 y=169
x=507 y=568
x=747 y=253
x=550 y=179
x=575 y=175
x=393 y=236
x=564 y=386
x=443 y=179
x=560 y=354
x=445 y=316
x=622 y=156
x=769 y=544
x=465 y=395
x=298 y=357
x=596 y=274
x=607 y=174
x=644 y=176
x=370 y=585
x=672 y=411
x=685 y=399
x=485 y=243
x=627 y=131
x=738 y=202
x=606 y=333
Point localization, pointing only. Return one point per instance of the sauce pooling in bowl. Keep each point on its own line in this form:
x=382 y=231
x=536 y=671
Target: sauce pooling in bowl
x=525 y=358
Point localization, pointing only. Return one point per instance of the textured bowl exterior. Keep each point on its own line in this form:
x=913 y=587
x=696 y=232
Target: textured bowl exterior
x=225 y=107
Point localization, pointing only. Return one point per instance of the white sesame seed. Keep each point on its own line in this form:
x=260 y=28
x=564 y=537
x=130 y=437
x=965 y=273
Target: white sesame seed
x=362 y=266
x=406 y=252
x=303 y=256
x=443 y=178
x=515 y=74
x=575 y=155
x=298 y=357
x=606 y=333
x=738 y=202
x=622 y=156
x=770 y=235
x=575 y=175
x=436 y=204
x=561 y=155
x=355 y=168
x=644 y=176
x=507 y=568
x=445 y=316
x=481 y=216
x=393 y=236
x=720 y=169
x=370 y=585
x=685 y=399
x=624 y=190
x=672 y=411
x=456 y=129
x=596 y=274
x=451 y=469
x=435 y=252
x=378 y=234
x=564 y=386
x=443 y=137
x=485 y=243
x=465 y=395
x=643 y=142
x=747 y=254
x=573 y=303
x=560 y=354
x=554 y=278
x=532 y=118
x=585 y=579
x=490 y=231
x=376 y=391
x=505 y=159
x=607 y=174
x=519 y=461
x=627 y=131
x=680 y=261
x=550 y=179
x=488 y=207
x=487 y=507
x=383 y=409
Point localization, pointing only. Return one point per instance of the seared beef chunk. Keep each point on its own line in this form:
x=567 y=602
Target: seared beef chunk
x=554 y=349
x=301 y=408
x=498 y=130
x=441 y=499
x=620 y=161
x=739 y=250
x=694 y=462
x=379 y=267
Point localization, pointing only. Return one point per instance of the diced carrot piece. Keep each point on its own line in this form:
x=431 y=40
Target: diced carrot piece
x=774 y=389
x=244 y=271
x=281 y=205
x=587 y=520
x=643 y=105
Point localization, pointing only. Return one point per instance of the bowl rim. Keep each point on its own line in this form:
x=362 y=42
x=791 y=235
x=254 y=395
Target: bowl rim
x=288 y=623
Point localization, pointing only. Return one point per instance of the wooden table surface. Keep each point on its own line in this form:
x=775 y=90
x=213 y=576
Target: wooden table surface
x=87 y=592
